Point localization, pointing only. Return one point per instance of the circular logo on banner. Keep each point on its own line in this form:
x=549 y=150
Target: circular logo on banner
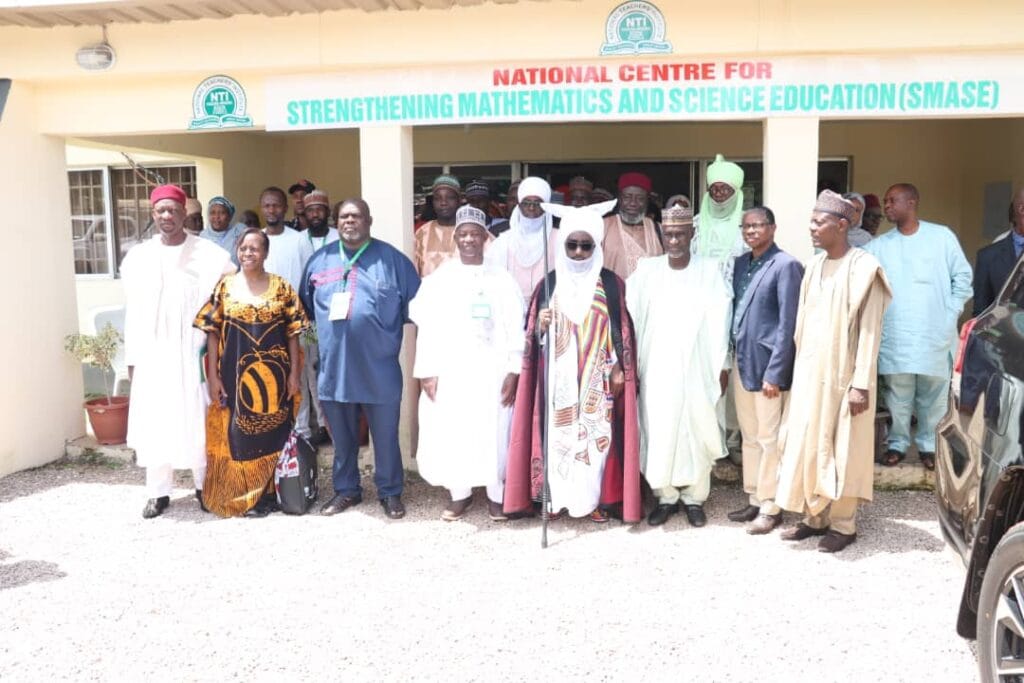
x=635 y=28
x=219 y=102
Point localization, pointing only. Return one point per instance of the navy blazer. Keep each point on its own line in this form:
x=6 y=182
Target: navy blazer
x=992 y=266
x=765 y=319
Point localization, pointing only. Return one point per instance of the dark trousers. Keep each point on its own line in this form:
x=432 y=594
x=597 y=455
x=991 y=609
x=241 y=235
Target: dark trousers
x=343 y=419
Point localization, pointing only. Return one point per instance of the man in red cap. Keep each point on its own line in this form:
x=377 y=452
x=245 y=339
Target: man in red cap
x=872 y=214
x=629 y=235
x=167 y=279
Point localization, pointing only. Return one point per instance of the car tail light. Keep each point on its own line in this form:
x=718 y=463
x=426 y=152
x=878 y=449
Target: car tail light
x=965 y=331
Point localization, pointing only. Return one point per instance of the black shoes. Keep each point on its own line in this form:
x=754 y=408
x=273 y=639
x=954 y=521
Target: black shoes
x=747 y=514
x=155 y=507
x=800 y=532
x=393 y=507
x=834 y=542
x=695 y=514
x=199 y=497
x=339 y=503
x=660 y=514
x=263 y=507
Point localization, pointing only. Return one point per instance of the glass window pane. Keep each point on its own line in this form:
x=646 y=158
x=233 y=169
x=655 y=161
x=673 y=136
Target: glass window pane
x=88 y=222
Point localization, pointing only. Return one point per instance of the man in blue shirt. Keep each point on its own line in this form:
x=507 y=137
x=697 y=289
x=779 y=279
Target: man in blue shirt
x=358 y=291
x=931 y=281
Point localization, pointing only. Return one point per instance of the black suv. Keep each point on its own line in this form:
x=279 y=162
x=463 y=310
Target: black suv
x=980 y=480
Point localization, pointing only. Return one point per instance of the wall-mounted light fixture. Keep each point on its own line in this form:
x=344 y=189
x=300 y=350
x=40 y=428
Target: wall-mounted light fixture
x=98 y=57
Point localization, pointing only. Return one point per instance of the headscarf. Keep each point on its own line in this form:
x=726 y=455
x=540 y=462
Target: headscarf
x=575 y=281
x=719 y=225
x=223 y=201
x=527 y=234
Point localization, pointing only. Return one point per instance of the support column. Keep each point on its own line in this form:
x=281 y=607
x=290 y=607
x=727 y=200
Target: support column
x=385 y=155
x=41 y=405
x=385 y=159
x=790 y=180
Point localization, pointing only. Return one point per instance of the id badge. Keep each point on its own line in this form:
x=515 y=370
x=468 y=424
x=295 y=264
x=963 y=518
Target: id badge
x=339 y=306
x=481 y=311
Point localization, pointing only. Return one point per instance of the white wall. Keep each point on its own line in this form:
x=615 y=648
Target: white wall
x=41 y=404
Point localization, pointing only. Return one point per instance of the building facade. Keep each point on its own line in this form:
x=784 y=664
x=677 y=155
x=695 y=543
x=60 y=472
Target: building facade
x=369 y=97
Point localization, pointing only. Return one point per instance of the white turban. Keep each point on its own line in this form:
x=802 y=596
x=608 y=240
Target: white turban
x=575 y=281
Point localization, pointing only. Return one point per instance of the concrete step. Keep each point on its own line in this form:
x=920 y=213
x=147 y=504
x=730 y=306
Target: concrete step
x=86 y=448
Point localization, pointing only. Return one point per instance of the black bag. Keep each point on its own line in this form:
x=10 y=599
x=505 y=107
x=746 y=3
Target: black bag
x=295 y=477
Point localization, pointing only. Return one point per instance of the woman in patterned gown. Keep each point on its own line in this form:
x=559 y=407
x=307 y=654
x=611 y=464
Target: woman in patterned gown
x=253 y=321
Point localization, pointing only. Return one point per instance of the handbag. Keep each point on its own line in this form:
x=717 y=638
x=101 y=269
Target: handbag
x=295 y=476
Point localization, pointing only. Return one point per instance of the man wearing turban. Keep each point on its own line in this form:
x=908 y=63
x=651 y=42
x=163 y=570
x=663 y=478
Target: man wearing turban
x=589 y=410
x=167 y=279
x=629 y=235
x=718 y=224
x=828 y=427
x=520 y=249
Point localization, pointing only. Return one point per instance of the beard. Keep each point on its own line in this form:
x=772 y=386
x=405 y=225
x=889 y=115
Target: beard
x=631 y=218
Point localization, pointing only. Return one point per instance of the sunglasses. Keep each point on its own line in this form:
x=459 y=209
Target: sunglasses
x=574 y=245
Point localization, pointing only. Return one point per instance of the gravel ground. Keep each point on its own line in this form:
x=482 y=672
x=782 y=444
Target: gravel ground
x=90 y=590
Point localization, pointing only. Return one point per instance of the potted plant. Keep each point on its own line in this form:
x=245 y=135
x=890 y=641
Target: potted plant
x=108 y=414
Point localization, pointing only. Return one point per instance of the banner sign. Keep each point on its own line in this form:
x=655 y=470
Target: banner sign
x=653 y=90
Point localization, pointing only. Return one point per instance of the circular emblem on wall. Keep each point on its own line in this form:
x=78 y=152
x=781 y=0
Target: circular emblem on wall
x=635 y=28
x=219 y=102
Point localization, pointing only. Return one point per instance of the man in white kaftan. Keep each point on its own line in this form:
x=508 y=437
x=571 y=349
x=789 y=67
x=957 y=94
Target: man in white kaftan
x=167 y=279
x=682 y=310
x=469 y=350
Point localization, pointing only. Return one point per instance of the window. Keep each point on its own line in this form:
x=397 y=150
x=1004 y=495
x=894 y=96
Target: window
x=89 y=221
x=119 y=196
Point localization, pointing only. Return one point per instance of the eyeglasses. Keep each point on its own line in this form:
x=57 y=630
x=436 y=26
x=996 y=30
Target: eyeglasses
x=573 y=245
x=530 y=203
x=755 y=226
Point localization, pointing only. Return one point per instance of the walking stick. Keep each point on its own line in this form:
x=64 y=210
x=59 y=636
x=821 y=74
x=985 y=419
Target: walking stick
x=545 y=490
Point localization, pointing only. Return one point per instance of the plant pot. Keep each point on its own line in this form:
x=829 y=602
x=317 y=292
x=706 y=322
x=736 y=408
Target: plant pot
x=109 y=420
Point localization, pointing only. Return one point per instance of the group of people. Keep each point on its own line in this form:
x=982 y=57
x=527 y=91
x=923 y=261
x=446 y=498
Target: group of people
x=583 y=352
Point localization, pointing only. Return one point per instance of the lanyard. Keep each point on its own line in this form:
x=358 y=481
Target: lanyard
x=350 y=262
x=323 y=240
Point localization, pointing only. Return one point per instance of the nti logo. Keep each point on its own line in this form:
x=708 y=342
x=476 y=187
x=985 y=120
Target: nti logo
x=635 y=28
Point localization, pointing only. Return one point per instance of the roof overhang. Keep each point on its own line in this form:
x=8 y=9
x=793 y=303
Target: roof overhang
x=45 y=13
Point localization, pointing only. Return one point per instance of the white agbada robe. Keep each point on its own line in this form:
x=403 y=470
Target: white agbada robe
x=165 y=286
x=470 y=336
x=682 y=320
